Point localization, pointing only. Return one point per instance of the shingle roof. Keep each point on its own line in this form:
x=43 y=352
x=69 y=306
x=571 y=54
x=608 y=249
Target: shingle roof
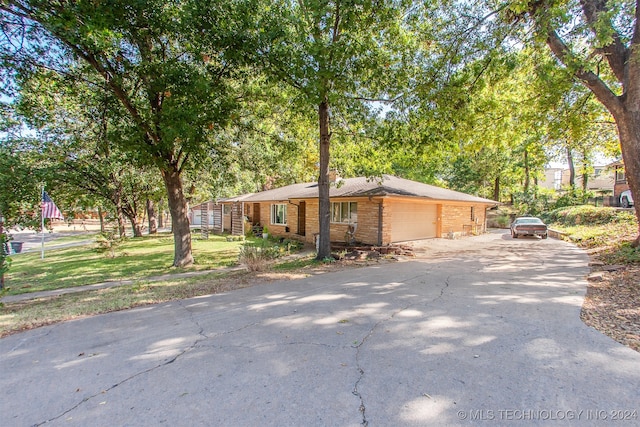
x=240 y=198
x=387 y=185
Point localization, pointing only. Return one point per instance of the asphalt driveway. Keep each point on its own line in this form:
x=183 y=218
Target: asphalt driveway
x=484 y=330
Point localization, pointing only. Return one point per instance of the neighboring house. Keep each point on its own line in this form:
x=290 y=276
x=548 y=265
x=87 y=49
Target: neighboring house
x=601 y=180
x=220 y=215
x=620 y=180
x=382 y=211
x=554 y=178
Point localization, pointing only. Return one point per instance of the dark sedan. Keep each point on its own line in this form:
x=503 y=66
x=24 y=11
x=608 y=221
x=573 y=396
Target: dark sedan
x=528 y=226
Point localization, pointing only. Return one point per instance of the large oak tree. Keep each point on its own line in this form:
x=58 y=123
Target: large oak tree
x=140 y=52
x=338 y=56
x=598 y=43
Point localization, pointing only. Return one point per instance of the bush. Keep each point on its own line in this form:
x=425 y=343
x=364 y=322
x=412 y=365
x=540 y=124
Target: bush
x=533 y=202
x=587 y=215
x=107 y=243
x=503 y=221
x=257 y=255
x=5 y=261
x=572 y=197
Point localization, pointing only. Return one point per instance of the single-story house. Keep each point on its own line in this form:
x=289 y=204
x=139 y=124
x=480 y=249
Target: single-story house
x=218 y=215
x=381 y=210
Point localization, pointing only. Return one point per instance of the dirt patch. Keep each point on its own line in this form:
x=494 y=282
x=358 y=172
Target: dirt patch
x=612 y=303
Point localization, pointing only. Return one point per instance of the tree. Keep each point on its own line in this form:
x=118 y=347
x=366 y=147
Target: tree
x=599 y=48
x=139 y=51
x=80 y=153
x=335 y=54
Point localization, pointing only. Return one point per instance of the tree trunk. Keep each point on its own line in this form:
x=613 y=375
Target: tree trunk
x=324 y=205
x=585 y=173
x=101 y=216
x=527 y=178
x=117 y=201
x=161 y=214
x=496 y=189
x=122 y=230
x=629 y=132
x=136 y=225
x=572 y=169
x=179 y=218
x=153 y=220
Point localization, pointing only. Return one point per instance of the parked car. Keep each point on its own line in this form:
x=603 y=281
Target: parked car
x=626 y=199
x=529 y=226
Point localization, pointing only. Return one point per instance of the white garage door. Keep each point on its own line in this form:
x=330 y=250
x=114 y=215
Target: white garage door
x=411 y=221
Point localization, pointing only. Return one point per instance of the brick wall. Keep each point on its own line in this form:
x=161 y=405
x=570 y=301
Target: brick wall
x=456 y=217
x=287 y=231
x=366 y=230
x=453 y=218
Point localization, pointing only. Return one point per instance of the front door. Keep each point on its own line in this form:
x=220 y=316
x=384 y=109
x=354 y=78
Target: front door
x=302 y=218
x=256 y=214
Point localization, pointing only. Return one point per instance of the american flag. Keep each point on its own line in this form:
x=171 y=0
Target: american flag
x=49 y=209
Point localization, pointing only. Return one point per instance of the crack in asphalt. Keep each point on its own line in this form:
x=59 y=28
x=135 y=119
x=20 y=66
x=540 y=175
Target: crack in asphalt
x=88 y=398
x=203 y=336
x=362 y=408
x=26 y=340
x=186 y=349
x=443 y=289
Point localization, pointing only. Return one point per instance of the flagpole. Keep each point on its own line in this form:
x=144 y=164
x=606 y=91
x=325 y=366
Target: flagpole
x=42 y=222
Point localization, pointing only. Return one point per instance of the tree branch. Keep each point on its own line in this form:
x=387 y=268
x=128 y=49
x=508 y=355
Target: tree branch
x=616 y=52
x=599 y=88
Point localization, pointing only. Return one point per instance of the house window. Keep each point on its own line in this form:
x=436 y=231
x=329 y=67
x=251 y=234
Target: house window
x=473 y=213
x=557 y=180
x=279 y=214
x=226 y=209
x=620 y=175
x=344 y=212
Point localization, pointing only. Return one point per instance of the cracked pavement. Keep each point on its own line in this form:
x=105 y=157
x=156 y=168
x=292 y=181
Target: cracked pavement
x=484 y=330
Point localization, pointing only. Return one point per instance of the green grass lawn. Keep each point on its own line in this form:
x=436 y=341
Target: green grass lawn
x=607 y=231
x=70 y=238
x=132 y=259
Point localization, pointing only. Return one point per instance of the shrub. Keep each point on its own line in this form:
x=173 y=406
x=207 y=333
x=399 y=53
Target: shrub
x=587 y=215
x=257 y=255
x=107 y=243
x=503 y=220
x=533 y=202
x=572 y=197
x=5 y=261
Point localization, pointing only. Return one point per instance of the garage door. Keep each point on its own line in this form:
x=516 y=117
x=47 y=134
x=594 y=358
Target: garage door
x=411 y=221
